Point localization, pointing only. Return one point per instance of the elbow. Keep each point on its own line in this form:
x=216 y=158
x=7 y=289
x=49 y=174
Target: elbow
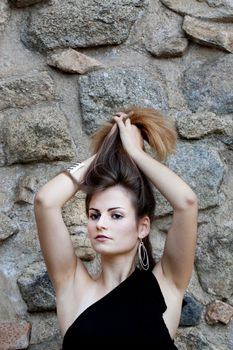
x=192 y=199
x=191 y=202
x=41 y=200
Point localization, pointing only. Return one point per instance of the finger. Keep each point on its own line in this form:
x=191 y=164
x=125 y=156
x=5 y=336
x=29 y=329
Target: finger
x=118 y=119
x=121 y=114
x=128 y=122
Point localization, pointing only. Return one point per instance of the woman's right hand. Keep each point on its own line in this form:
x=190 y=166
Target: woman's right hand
x=130 y=135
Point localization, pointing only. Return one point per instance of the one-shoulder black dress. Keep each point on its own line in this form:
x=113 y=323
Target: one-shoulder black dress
x=129 y=314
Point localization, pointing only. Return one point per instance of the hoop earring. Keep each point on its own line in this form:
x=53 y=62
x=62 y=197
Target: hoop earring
x=143 y=256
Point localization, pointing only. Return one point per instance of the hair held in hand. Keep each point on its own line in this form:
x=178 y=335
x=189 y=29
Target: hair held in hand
x=156 y=129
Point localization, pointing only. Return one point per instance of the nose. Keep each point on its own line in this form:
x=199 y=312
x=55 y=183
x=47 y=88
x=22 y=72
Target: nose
x=102 y=222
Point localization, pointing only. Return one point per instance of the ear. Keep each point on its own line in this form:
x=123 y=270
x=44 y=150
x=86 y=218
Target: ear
x=143 y=227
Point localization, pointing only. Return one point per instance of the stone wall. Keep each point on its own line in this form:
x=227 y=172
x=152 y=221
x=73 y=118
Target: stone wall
x=65 y=66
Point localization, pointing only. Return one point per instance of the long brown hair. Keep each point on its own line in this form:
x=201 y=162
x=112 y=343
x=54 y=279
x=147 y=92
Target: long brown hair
x=113 y=166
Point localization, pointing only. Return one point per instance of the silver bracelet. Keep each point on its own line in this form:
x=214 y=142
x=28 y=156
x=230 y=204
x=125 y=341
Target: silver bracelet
x=74 y=167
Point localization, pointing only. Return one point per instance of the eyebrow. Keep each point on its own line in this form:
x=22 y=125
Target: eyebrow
x=114 y=208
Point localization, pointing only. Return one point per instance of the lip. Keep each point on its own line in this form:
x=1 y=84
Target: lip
x=101 y=238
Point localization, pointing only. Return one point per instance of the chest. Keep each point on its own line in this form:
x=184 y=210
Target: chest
x=73 y=302
x=117 y=317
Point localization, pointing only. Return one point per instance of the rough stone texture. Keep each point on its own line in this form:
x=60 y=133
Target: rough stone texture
x=191 y=312
x=45 y=331
x=14 y=335
x=218 y=311
x=163 y=35
x=193 y=339
x=7 y=227
x=54 y=343
x=26 y=90
x=11 y=307
x=204 y=175
x=25 y=3
x=75 y=218
x=198 y=125
x=81 y=24
x=4 y=14
x=214 y=259
x=81 y=243
x=36 y=288
x=209 y=33
x=26 y=190
x=208 y=85
x=37 y=134
x=71 y=61
x=73 y=212
x=103 y=93
x=221 y=10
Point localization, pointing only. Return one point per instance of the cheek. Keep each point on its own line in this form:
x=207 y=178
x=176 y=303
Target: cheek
x=127 y=229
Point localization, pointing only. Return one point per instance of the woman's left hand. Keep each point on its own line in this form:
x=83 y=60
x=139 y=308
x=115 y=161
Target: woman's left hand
x=131 y=137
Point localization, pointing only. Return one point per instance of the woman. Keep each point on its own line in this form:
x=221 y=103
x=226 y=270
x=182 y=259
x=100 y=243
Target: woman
x=132 y=298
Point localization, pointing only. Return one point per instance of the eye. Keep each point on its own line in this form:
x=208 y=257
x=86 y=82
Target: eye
x=117 y=216
x=94 y=216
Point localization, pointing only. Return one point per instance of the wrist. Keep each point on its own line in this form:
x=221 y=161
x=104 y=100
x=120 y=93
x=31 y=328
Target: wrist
x=72 y=169
x=136 y=154
x=76 y=171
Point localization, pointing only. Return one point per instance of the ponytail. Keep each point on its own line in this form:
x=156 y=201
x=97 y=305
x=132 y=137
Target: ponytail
x=156 y=129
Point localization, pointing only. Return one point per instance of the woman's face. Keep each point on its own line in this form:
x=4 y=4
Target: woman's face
x=112 y=224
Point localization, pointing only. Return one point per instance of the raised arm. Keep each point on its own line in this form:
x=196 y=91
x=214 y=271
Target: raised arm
x=55 y=242
x=178 y=256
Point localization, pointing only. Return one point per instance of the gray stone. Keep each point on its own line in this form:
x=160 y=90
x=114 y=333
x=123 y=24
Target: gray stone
x=103 y=93
x=227 y=140
x=208 y=85
x=71 y=61
x=163 y=35
x=197 y=125
x=201 y=168
x=79 y=23
x=2 y=153
x=26 y=90
x=75 y=218
x=45 y=331
x=36 y=288
x=208 y=33
x=4 y=14
x=193 y=339
x=52 y=344
x=11 y=306
x=214 y=259
x=81 y=243
x=74 y=213
x=7 y=227
x=37 y=134
x=26 y=190
x=204 y=9
x=25 y=3
x=191 y=312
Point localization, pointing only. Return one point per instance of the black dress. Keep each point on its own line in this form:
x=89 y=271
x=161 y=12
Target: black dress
x=129 y=314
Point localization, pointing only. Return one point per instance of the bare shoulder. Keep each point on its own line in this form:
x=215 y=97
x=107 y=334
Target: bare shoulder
x=173 y=299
